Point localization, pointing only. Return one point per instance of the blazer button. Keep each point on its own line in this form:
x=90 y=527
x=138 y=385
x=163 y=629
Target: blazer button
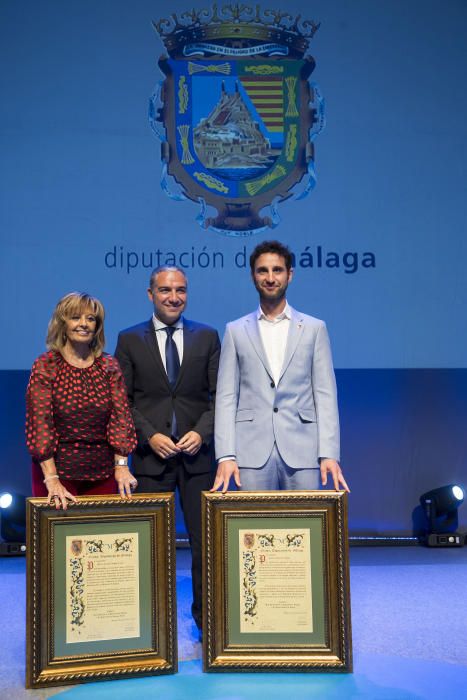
x=275 y=409
x=168 y=424
x=272 y=385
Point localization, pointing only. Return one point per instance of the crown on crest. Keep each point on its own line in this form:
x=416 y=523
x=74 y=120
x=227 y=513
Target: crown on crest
x=236 y=26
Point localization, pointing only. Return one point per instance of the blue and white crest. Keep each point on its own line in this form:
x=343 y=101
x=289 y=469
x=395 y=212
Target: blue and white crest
x=237 y=114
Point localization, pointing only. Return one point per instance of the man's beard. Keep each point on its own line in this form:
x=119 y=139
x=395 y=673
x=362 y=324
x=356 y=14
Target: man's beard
x=275 y=294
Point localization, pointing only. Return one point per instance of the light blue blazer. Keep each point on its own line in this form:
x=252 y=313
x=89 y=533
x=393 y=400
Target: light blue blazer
x=299 y=414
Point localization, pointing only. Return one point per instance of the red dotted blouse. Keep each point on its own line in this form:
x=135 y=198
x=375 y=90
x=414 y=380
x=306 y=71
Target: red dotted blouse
x=81 y=417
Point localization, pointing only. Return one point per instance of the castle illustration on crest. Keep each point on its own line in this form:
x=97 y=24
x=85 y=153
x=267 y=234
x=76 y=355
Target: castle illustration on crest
x=230 y=138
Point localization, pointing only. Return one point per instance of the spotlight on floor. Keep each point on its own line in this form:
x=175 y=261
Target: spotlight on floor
x=13 y=524
x=440 y=506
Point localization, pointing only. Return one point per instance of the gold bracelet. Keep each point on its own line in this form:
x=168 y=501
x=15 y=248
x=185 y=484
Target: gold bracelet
x=52 y=476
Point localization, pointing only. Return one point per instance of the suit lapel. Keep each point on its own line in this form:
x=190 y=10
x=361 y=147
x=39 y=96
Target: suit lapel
x=153 y=346
x=293 y=338
x=252 y=331
x=189 y=338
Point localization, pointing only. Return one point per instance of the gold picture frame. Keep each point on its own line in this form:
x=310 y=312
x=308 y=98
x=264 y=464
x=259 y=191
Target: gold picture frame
x=276 y=593
x=101 y=601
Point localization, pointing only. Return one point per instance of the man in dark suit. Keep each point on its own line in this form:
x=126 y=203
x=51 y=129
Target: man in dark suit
x=170 y=368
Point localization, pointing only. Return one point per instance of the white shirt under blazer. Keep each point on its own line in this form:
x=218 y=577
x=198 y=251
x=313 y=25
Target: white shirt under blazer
x=298 y=411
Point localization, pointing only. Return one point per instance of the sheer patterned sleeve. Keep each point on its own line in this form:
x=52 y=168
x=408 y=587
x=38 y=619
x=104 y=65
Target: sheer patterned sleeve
x=41 y=434
x=121 y=433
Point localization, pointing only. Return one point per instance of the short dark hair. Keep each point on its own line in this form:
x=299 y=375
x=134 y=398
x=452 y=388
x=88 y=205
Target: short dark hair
x=271 y=247
x=165 y=268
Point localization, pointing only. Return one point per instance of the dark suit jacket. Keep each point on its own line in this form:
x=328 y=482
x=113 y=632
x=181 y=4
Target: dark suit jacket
x=153 y=401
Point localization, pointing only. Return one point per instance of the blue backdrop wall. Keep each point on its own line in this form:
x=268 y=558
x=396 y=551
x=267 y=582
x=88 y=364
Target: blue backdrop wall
x=82 y=208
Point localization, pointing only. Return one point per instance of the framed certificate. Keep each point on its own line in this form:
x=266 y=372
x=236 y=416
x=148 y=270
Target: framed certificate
x=100 y=589
x=276 y=581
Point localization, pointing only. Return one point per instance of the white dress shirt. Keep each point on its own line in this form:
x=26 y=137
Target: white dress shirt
x=274 y=334
x=161 y=336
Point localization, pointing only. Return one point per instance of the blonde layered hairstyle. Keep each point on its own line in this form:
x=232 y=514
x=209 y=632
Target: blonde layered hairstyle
x=76 y=303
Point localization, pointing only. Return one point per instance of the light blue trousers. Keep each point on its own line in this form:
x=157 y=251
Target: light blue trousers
x=275 y=475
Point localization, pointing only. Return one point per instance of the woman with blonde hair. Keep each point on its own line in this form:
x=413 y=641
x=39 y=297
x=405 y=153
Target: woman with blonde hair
x=79 y=428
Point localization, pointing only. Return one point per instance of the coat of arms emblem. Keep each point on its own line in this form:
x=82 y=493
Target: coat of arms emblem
x=237 y=114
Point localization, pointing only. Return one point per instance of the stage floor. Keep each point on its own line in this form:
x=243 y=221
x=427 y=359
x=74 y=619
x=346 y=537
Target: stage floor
x=409 y=620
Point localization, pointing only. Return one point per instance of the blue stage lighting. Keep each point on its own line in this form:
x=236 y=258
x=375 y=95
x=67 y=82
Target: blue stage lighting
x=6 y=499
x=440 y=506
x=13 y=523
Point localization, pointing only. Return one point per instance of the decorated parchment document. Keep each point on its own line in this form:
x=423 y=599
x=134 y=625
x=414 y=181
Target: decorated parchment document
x=275 y=581
x=102 y=584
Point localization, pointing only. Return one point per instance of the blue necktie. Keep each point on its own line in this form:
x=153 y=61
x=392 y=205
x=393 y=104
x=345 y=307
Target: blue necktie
x=172 y=365
x=172 y=360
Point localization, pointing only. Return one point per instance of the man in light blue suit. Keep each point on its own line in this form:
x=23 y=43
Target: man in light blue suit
x=276 y=417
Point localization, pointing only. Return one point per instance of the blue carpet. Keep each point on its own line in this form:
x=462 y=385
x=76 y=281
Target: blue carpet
x=375 y=677
x=409 y=621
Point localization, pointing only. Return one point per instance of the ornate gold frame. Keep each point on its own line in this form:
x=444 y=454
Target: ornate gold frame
x=43 y=666
x=219 y=653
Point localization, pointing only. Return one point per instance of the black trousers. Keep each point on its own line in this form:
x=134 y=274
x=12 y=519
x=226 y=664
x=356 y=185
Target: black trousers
x=189 y=487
